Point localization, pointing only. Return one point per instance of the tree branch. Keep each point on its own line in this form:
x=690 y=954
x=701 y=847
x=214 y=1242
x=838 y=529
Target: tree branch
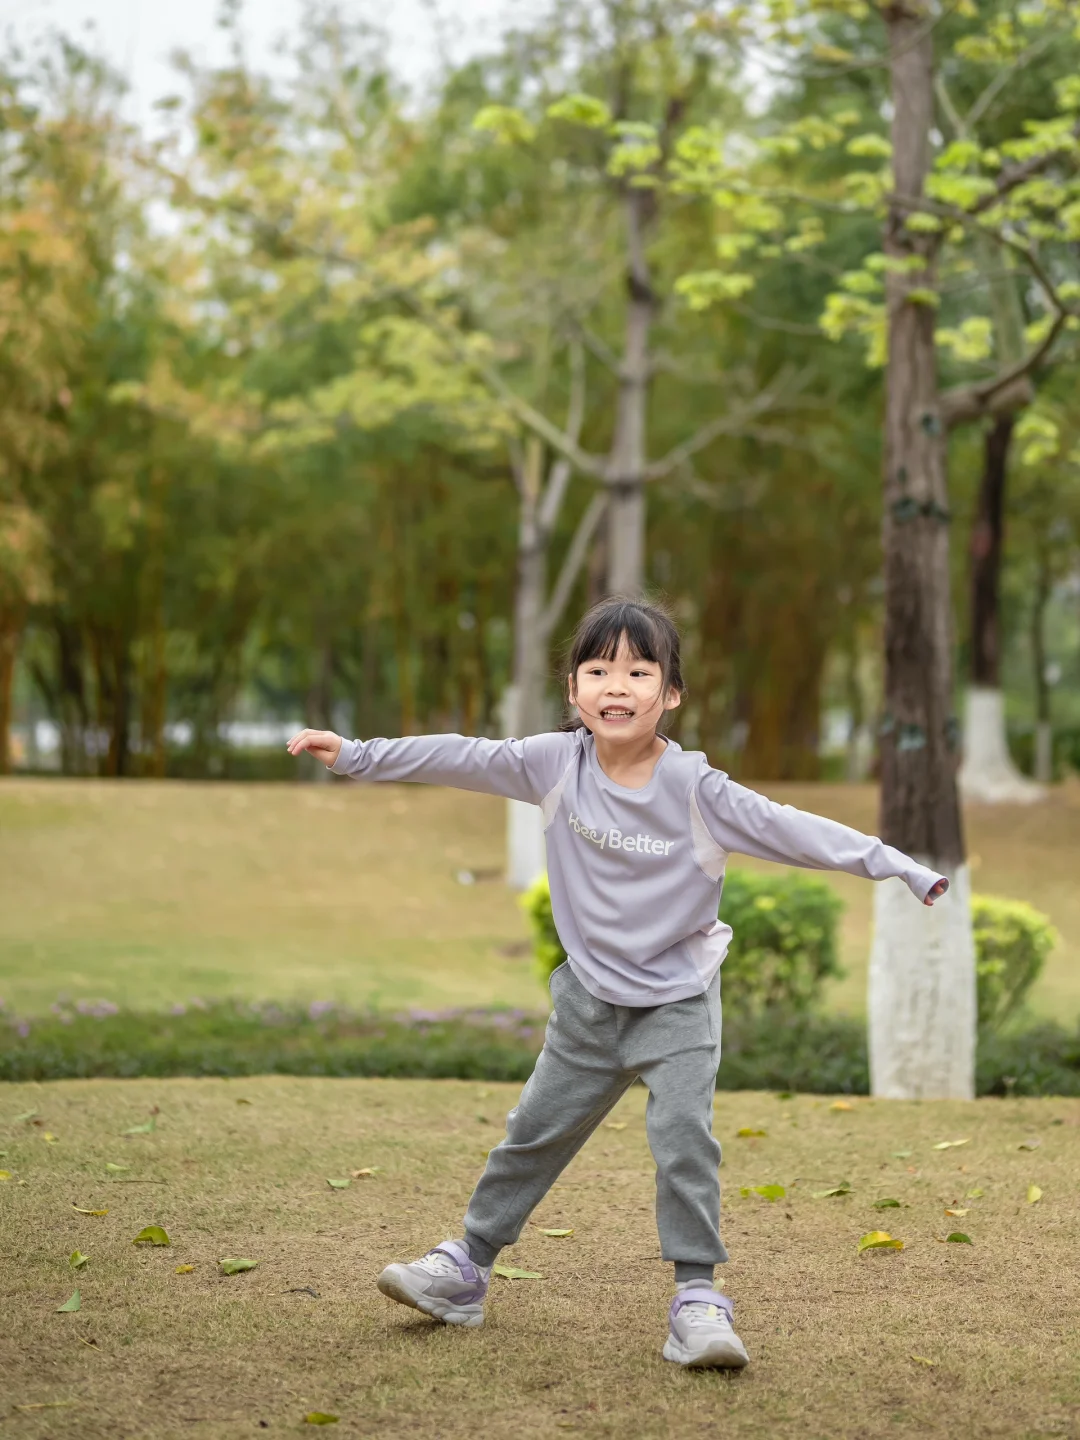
x=968 y=402
x=723 y=425
x=572 y=563
x=561 y=471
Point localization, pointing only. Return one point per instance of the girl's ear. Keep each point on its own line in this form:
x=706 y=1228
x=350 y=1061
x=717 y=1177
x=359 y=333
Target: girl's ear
x=673 y=700
x=570 y=688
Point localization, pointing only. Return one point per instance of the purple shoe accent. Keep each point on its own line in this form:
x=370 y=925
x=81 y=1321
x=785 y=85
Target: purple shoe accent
x=706 y=1297
x=477 y=1291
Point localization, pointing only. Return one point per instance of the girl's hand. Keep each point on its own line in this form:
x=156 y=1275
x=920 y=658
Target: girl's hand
x=323 y=744
x=935 y=894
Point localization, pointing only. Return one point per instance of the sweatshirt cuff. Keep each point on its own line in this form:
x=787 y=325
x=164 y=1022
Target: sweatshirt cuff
x=926 y=881
x=347 y=757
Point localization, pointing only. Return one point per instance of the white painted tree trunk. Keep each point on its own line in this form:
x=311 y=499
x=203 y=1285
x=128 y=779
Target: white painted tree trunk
x=988 y=774
x=526 y=855
x=921 y=1000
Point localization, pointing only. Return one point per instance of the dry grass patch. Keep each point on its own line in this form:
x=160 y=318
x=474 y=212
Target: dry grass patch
x=832 y=1334
x=152 y=892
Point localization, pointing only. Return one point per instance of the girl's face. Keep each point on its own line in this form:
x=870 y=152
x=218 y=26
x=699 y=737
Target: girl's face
x=621 y=699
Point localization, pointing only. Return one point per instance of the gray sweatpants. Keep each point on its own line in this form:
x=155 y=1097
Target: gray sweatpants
x=593 y=1052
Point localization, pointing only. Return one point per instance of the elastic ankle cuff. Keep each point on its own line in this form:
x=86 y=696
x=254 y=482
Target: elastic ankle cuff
x=689 y=1272
x=481 y=1252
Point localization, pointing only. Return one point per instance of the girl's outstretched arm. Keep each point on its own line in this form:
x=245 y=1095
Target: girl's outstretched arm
x=741 y=819
x=518 y=769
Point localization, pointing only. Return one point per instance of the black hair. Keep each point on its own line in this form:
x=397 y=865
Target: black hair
x=650 y=635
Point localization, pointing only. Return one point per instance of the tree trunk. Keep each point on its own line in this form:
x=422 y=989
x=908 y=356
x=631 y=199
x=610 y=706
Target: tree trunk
x=530 y=643
x=988 y=773
x=922 y=967
x=10 y=629
x=1044 y=735
x=626 y=461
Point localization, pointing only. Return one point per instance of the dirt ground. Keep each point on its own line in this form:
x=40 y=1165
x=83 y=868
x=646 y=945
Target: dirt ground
x=937 y=1340
x=146 y=893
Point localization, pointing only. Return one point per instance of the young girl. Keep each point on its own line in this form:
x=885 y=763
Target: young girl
x=638 y=834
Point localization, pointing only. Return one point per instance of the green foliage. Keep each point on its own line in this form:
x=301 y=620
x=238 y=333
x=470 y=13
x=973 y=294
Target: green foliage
x=783 y=946
x=1012 y=942
x=817 y=1054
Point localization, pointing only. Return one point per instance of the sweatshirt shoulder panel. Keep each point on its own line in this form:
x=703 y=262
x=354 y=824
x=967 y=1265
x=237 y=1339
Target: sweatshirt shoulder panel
x=549 y=759
x=709 y=855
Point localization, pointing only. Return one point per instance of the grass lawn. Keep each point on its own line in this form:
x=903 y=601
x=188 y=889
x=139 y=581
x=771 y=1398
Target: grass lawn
x=145 y=893
x=833 y=1335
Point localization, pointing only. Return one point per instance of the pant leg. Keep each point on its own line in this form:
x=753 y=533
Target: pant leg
x=577 y=1080
x=676 y=1050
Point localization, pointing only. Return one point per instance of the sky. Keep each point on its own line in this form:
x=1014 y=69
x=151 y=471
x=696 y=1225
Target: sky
x=139 y=35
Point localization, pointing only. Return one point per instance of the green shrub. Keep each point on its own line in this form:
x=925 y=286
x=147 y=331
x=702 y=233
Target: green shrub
x=815 y=1054
x=1012 y=941
x=783 y=946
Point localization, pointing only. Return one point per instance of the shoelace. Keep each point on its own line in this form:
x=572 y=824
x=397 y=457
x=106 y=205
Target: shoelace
x=438 y=1263
x=698 y=1313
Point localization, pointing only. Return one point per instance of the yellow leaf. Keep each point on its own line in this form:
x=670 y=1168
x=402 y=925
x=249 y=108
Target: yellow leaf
x=950 y=1144
x=879 y=1240
x=184 y=1269
x=320 y=1417
x=748 y=1133
x=841 y=1105
x=557 y=1234
x=5 y=1174
x=50 y=1137
x=77 y=1259
x=365 y=1174
x=511 y=1272
x=958 y=1213
x=151 y=1235
x=975 y=1194
x=242 y=1101
x=115 y=1169
x=614 y=1124
x=80 y=1211
x=1034 y=1194
x=922 y=1360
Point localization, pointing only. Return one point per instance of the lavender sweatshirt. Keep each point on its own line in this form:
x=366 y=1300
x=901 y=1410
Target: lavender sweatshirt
x=635 y=875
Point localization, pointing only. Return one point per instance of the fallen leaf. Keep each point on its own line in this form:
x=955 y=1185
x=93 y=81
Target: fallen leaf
x=1034 y=1194
x=77 y=1259
x=70 y=1306
x=365 y=1174
x=784 y=1095
x=151 y=1235
x=957 y=1237
x=746 y=1133
x=235 y=1267
x=844 y=1188
x=614 y=1124
x=115 y=1169
x=887 y=1203
x=147 y=1128
x=1030 y=1144
x=320 y=1417
x=50 y=1137
x=772 y=1193
x=5 y=1174
x=950 y=1144
x=26 y=1115
x=558 y=1234
x=841 y=1105
x=184 y=1269
x=51 y=1404
x=922 y=1360
x=956 y=1214
x=902 y=1154
x=337 y=1184
x=511 y=1272
x=975 y=1194
x=80 y=1211
x=483 y=1094
x=241 y=1100
x=879 y=1240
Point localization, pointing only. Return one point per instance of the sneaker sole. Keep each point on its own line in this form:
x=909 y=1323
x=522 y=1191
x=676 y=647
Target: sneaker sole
x=717 y=1355
x=395 y=1286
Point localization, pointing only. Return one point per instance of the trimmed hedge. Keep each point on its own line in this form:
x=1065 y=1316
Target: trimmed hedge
x=783 y=946
x=810 y=1053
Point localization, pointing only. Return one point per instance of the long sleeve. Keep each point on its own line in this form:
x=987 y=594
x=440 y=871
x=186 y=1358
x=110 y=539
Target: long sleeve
x=741 y=819
x=518 y=769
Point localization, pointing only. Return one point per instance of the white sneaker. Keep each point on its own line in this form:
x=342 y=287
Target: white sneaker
x=444 y=1284
x=700 y=1332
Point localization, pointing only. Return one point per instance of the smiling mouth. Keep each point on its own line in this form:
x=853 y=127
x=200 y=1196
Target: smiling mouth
x=616 y=713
